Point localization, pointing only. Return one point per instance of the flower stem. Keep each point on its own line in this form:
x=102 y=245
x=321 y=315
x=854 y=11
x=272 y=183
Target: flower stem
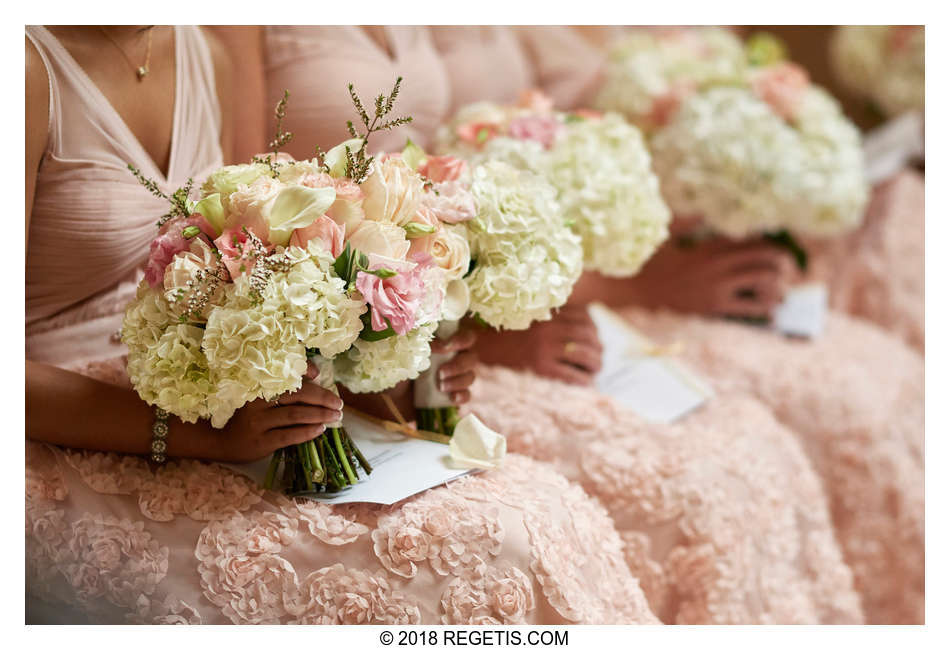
x=272 y=469
x=342 y=457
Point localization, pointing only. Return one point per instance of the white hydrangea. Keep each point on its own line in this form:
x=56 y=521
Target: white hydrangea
x=531 y=279
x=252 y=347
x=527 y=259
x=607 y=189
x=165 y=363
x=601 y=171
x=375 y=366
x=884 y=63
x=173 y=374
x=649 y=65
x=314 y=302
x=727 y=156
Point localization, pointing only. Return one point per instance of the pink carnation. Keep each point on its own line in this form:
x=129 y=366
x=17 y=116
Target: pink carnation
x=442 y=168
x=540 y=128
x=170 y=242
x=395 y=299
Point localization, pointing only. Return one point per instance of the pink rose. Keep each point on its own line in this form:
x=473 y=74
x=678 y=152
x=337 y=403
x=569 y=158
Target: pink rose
x=442 y=168
x=540 y=128
x=395 y=299
x=324 y=229
x=535 y=100
x=665 y=105
x=782 y=86
x=169 y=243
x=454 y=203
x=477 y=133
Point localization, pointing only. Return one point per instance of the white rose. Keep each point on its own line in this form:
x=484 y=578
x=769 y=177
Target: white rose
x=227 y=179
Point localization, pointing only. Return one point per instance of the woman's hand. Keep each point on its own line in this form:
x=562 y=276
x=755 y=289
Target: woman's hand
x=566 y=347
x=260 y=427
x=717 y=277
x=457 y=375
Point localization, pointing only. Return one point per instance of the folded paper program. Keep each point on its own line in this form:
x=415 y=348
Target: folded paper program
x=474 y=445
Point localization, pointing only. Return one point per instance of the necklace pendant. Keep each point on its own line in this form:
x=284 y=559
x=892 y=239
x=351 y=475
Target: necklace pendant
x=141 y=72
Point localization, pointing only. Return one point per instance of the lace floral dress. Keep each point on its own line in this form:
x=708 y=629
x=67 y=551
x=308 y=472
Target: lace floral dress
x=854 y=397
x=110 y=539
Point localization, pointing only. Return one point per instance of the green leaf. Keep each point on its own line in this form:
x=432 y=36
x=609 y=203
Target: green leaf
x=341 y=265
x=191 y=232
x=784 y=239
x=369 y=334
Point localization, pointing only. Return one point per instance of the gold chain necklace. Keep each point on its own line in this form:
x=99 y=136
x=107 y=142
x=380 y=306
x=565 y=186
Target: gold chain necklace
x=141 y=71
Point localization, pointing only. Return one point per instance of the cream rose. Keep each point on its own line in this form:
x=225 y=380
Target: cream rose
x=384 y=239
x=392 y=192
x=448 y=249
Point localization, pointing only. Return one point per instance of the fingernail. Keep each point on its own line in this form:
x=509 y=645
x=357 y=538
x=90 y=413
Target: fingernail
x=339 y=405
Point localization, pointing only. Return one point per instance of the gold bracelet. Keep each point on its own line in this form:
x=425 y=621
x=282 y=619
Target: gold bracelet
x=159 y=436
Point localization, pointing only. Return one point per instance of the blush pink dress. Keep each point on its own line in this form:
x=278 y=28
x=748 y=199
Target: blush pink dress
x=853 y=397
x=500 y=58
x=316 y=63
x=722 y=518
x=110 y=539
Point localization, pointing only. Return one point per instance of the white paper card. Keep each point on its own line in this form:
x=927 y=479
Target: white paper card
x=652 y=385
x=803 y=311
x=402 y=466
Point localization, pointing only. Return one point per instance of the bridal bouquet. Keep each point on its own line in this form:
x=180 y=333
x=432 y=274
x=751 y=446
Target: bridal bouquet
x=598 y=164
x=884 y=63
x=497 y=233
x=648 y=73
x=276 y=262
x=739 y=136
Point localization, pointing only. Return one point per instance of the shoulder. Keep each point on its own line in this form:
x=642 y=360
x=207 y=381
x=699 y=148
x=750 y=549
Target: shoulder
x=37 y=93
x=37 y=79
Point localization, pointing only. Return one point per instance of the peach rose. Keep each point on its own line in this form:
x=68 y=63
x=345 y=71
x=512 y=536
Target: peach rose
x=325 y=230
x=782 y=86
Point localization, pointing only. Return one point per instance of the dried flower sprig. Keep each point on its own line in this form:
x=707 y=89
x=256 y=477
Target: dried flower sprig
x=181 y=205
x=358 y=163
x=281 y=138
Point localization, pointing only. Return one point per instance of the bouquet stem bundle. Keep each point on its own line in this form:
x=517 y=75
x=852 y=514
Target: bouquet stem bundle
x=438 y=420
x=328 y=463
